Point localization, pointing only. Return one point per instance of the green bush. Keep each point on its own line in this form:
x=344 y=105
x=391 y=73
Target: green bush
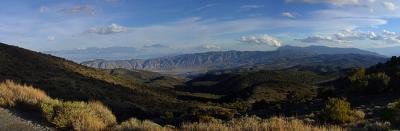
x=206 y=118
x=168 y=115
x=216 y=112
x=357 y=74
x=378 y=81
x=372 y=126
x=134 y=124
x=47 y=109
x=392 y=113
x=371 y=83
x=339 y=111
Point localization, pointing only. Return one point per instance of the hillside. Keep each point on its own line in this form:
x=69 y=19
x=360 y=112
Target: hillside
x=259 y=85
x=283 y=57
x=225 y=95
x=66 y=80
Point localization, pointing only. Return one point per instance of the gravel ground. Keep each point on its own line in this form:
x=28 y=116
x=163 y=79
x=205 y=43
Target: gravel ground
x=11 y=122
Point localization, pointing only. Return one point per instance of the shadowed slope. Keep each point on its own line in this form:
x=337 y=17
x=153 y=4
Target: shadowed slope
x=66 y=80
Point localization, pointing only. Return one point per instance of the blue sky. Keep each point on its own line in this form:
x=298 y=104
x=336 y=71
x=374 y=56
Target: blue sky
x=194 y=25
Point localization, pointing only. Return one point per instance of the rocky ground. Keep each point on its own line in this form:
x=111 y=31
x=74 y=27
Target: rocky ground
x=10 y=121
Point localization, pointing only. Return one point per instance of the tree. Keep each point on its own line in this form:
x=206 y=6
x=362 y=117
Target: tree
x=338 y=110
x=378 y=81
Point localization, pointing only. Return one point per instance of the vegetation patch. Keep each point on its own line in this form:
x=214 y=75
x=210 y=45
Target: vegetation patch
x=89 y=116
x=257 y=124
x=66 y=115
x=339 y=111
x=392 y=113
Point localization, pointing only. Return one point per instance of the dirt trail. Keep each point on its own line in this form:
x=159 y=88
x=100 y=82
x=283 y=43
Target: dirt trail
x=11 y=122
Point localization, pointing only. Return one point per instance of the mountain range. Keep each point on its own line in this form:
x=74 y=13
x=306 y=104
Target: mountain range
x=387 y=51
x=283 y=57
x=114 y=53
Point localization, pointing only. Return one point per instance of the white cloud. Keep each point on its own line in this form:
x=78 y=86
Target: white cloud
x=390 y=6
x=333 y=2
x=79 y=9
x=51 y=38
x=364 y=9
x=288 y=14
x=43 y=9
x=349 y=36
x=390 y=33
x=113 y=28
x=261 y=39
x=321 y=39
x=250 y=7
x=205 y=7
x=211 y=47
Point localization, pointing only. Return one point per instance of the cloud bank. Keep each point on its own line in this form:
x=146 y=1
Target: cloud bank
x=111 y=29
x=262 y=40
x=350 y=36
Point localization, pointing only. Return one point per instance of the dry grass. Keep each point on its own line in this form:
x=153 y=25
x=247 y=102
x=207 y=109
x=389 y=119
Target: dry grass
x=138 y=125
x=79 y=116
x=257 y=124
x=12 y=93
x=95 y=116
x=83 y=116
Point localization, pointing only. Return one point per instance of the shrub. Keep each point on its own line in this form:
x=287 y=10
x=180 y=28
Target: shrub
x=12 y=94
x=372 y=126
x=378 y=81
x=47 y=109
x=392 y=113
x=138 y=125
x=103 y=112
x=357 y=74
x=82 y=116
x=68 y=115
x=339 y=111
x=216 y=112
x=205 y=118
x=257 y=124
x=168 y=115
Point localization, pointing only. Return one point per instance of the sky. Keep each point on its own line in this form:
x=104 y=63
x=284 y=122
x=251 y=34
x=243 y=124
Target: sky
x=50 y=25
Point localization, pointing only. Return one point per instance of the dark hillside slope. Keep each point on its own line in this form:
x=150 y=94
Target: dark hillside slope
x=66 y=80
x=258 y=85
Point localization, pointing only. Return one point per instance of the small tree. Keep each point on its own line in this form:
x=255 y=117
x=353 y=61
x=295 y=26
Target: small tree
x=378 y=81
x=338 y=110
x=357 y=74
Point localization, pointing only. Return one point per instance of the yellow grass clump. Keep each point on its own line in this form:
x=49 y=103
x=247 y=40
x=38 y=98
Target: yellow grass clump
x=83 y=116
x=12 y=93
x=134 y=124
x=80 y=116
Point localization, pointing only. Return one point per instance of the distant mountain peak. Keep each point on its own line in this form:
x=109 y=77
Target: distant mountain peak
x=284 y=56
x=329 y=50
